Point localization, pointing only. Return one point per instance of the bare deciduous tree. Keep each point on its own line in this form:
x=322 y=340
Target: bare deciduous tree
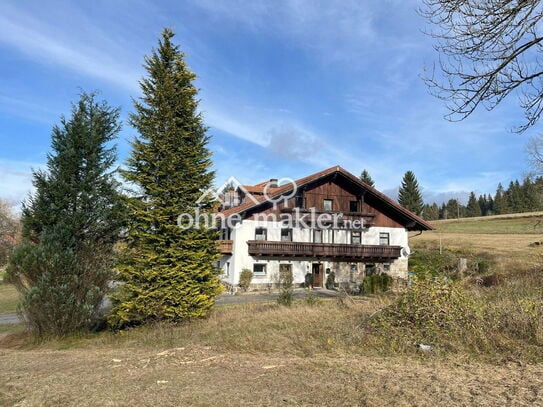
x=488 y=49
x=9 y=230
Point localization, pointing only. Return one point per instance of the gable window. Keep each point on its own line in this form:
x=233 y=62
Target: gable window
x=260 y=234
x=299 y=201
x=384 y=239
x=353 y=206
x=286 y=235
x=317 y=236
x=356 y=237
x=327 y=204
x=259 y=269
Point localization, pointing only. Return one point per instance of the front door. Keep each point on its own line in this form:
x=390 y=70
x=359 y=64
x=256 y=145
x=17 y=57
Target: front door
x=317 y=275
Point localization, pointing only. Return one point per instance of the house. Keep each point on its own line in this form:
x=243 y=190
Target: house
x=326 y=222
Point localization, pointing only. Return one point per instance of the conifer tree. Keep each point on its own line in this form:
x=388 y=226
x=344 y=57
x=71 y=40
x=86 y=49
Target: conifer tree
x=473 y=209
x=501 y=206
x=70 y=224
x=168 y=272
x=366 y=177
x=409 y=194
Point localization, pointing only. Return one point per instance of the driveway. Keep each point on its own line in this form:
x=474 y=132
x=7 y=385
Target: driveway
x=225 y=300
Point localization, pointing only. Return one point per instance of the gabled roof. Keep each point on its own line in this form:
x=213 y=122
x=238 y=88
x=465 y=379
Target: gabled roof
x=417 y=222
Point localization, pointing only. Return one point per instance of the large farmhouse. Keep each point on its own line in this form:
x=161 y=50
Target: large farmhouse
x=327 y=222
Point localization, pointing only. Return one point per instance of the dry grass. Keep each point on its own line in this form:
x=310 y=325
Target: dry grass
x=328 y=354
x=253 y=355
x=8 y=298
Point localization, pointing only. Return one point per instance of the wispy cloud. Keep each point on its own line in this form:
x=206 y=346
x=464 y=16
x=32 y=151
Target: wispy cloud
x=46 y=44
x=16 y=179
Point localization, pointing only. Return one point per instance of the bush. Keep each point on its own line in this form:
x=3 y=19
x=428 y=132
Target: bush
x=331 y=280
x=245 y=279
x=432 y=308
x=285 y=283
x=375 y=283
x=308 y=282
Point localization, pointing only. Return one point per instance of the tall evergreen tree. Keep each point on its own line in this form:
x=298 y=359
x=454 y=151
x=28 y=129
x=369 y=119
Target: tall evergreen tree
x=473 y=209
x=430 y=212
x=409 y=194
x=70 y=224
x=169 y=272
x=500 y=201
x=366 y=177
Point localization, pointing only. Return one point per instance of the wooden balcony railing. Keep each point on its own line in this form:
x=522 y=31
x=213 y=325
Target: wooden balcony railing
x=299 y=249
x=224 y=246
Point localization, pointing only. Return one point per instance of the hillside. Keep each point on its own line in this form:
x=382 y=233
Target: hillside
x=520 y=223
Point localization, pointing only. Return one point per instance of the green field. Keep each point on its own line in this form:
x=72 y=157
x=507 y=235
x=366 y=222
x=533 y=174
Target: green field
x=531 y=223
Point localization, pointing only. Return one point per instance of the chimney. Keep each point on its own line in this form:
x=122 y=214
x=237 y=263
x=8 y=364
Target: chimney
x=272 y=183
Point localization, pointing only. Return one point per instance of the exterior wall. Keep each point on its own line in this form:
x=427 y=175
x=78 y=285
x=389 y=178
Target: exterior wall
x=346 y=272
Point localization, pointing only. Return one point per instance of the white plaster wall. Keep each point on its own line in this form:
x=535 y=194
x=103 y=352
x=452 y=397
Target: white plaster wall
x=246 y=231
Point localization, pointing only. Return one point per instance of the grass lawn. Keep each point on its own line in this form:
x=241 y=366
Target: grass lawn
x=8 y=298
x=531 y=223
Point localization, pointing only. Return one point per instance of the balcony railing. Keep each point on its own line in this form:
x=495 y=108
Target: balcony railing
x=224 y=246
x=300 y=249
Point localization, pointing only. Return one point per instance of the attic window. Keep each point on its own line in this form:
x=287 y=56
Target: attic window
x=327 y=204
x=353 y=206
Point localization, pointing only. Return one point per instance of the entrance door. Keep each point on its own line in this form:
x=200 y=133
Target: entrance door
x=317 y=274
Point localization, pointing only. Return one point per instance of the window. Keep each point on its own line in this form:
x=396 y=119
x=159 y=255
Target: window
x=225 y=234
x=317 y=236
x=286 y=235
x=260 y=234
x=299 y=201
x=356 y=237
x=353 y=206
x=384 y=239
x=285 y=271
x=386 y=267
x=327 y=205
x=259 y=269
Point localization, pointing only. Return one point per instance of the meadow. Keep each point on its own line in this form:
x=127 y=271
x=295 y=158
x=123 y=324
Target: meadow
x=313 y=353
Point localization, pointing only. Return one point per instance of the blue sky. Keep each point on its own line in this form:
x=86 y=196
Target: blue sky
x=288 y=88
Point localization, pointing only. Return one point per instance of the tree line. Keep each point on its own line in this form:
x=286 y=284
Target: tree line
x=517 y=198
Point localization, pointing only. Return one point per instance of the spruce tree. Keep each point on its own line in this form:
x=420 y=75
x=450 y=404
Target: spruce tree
x=70 y=224
x=501 y=205
x=168 y=272
x=409 y=194
x=366 y=177
x=473 y=208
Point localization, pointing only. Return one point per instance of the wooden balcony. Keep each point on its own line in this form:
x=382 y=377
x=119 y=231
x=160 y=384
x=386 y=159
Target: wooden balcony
x=225 y=246
x=334 y=250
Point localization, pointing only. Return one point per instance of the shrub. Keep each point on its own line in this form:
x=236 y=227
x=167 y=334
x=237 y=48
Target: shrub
x=285 y=283
x=245 y=279
x=376 y=283
x=432 y=308
x=331 y=280
x=308 y=282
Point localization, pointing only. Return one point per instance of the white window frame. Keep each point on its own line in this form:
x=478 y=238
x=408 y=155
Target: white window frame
x=260 y=273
